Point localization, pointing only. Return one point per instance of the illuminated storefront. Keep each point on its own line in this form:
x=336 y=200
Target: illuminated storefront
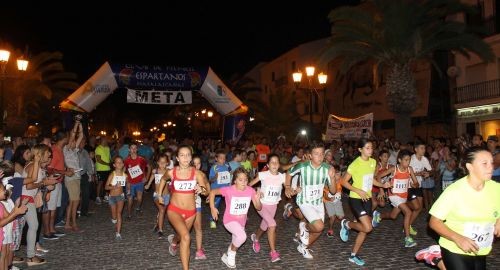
x=484 y=120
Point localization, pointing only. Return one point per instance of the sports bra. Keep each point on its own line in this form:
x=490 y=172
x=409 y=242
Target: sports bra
x=183 y=185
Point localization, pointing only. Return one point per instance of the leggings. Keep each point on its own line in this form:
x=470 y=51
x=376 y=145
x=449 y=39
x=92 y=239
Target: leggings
x=32 y=221
x=267 y=213
x=462 y=262
x=238 y=232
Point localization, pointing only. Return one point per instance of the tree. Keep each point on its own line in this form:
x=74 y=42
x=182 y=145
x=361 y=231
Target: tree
x=275 y=116
x=394 y=35
x=38 y=91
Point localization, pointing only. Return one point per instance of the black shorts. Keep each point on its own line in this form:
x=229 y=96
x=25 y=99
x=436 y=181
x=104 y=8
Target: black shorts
x=360 y=208
x=102 y=176
x=462 y=262
x=413 y=193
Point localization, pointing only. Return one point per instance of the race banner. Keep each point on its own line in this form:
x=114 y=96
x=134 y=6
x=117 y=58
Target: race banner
x=219 y=95
x=338 y=128
x=159 y=97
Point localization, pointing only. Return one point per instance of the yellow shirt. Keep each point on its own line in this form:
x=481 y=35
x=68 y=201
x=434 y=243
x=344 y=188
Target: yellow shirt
x=469 y=212
x=362 y=175
x=105 y=156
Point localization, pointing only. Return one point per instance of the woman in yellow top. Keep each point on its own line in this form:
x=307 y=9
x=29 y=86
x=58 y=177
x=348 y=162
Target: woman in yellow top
x=467 y=213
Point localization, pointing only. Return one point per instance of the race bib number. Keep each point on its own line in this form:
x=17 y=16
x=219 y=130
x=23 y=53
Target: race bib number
x=263 y=157
x=239 y=206
x=400 y=186
x=135 y=171
x=185 y=185
x=367 y=182
x=272 y=194
x=314 y=192
x=446 y=184
x=482 y=234
x=158 y=178
x=223 y=178
x=119 y=180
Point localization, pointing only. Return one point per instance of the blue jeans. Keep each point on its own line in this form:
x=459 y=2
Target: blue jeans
x=61 y=211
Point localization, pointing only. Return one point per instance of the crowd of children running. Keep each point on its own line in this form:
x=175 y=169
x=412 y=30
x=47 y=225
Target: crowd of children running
x=49 y=183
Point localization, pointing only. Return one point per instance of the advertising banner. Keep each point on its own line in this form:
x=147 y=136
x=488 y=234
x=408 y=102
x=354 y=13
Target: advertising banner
x=217 y=93
x=159 y=97
x=338 y=128
x=234 y=127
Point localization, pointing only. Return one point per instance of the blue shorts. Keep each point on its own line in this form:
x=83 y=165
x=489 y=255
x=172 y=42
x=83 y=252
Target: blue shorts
x=166 y=198
x=112 y=200
x=134 y=188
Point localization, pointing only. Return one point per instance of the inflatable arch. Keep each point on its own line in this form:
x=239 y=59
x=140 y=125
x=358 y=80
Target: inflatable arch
x=156 y=84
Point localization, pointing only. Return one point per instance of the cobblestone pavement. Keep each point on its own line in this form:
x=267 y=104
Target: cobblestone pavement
x=96 y=248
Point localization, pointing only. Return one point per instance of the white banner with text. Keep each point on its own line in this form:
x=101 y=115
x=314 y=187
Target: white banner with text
x=159 y=97
x=338 y=128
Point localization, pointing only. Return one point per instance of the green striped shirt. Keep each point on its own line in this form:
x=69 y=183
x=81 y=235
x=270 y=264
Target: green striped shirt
x=312 y=182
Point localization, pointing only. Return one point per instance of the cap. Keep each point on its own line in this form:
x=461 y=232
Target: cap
x=493 y=138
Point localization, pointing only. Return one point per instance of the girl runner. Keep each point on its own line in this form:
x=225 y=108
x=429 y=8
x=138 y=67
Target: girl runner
x=157 y=174
x=272 y=184
x=402 y=174
x=200 y=252
x=115 y=183
x=333 y=202
x=361 y=170
x=181 y=211
x=378 y=194
x=237 y=197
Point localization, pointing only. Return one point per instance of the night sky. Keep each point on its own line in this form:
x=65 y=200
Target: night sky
x=231 y=38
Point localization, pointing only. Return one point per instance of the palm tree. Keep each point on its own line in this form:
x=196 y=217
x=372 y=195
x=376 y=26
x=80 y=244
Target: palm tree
x=394 y=35
x=38 y=91
x=275 y=116
x=241 y=86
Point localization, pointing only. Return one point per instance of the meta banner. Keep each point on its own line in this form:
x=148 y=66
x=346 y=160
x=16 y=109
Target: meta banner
x=159 y=97
x=338 y=128
x=155 y=84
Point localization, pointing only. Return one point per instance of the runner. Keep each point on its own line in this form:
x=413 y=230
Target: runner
x=186 y=182
x=402 y=174
x=116 y=182
x=333 y=202
x=157 y=174
x=219 y=177
x=138 y=169
x=466 y=214
x=378 y=194
x=237 y=198
x=314 y=176
x=361 y=170
x=200 y=251
x=272 y=184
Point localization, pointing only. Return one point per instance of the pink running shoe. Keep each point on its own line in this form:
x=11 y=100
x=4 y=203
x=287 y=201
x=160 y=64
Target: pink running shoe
x=255 y=243
x=429 y=254
x=275 y=256
x=200 y=255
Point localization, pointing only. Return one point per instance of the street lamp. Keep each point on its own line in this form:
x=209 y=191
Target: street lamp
x=22 y=65
x=297 y=78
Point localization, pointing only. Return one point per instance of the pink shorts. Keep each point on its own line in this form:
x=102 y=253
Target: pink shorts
x=267 y=213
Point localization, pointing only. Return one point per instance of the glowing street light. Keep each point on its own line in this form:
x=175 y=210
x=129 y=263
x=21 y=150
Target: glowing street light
x=210 y=114
x=303 y=132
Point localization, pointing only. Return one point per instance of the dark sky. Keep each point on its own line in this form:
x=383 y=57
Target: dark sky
x=231 y=38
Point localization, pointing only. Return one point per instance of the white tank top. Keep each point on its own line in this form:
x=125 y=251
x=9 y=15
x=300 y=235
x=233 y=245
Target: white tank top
x=32 y=192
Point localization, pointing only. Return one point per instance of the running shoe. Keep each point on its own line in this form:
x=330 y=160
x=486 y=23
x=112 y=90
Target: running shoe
x=409 y=242
x=376 y=219
x=255 y=243
x=306 y=253
x=296 y=238
x=59 y=233
x=304 y=234
x=344 y=231
x=357 y=260
x=275 y=256
x=50 y=237
x=200 y=255
x=118 y=236
x=170 y=238
x=429 y=254
x=160 y=235
x=287 y=211
x=329 y=233
x=213 y=225
x=413 y=231
x=172 y=249
x=225 y=260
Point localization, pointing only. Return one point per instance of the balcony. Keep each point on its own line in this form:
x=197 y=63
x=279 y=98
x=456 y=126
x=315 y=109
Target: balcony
x=478 y=91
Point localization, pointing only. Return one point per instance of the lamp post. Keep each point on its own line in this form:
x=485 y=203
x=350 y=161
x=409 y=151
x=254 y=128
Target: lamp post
x=297 y=78
x=22 y=65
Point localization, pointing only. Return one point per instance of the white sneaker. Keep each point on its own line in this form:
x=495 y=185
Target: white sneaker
x=118 y=236
x=98 y=200
x=170 y=238
x=306 y=253
x=106 y=198
x=225 y=260
x=304 y=234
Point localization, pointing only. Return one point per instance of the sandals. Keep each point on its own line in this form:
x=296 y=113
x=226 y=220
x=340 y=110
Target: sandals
x=35 y=261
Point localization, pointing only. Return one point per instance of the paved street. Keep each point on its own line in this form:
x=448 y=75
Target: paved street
x=96 y=248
